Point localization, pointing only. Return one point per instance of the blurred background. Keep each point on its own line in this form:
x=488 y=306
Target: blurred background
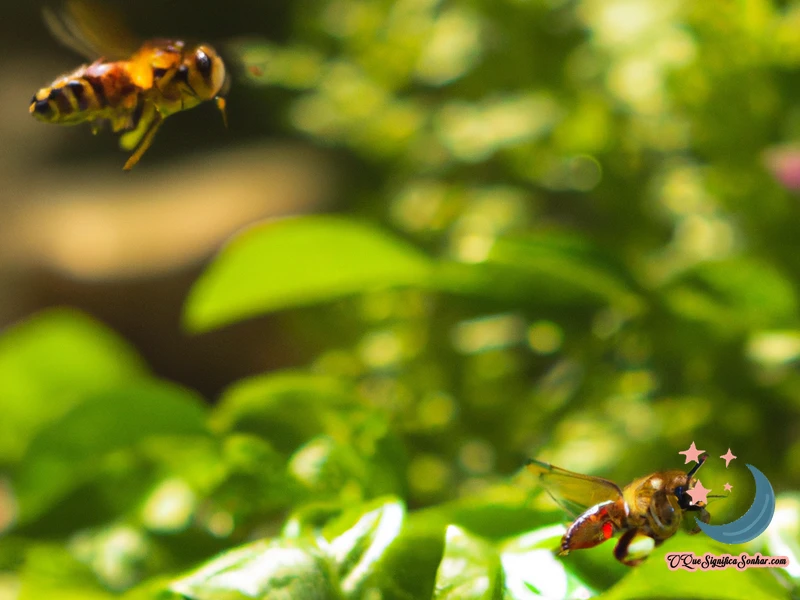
x=609 y=185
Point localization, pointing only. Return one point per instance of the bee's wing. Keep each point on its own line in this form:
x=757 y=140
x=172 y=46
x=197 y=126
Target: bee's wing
x=90 y=28
x=572 y=491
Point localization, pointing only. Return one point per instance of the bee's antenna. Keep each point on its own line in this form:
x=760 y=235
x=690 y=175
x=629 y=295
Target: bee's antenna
x=694 y=469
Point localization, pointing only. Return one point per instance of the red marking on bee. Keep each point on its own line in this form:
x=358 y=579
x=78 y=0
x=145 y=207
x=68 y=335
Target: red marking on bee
x=608 y=530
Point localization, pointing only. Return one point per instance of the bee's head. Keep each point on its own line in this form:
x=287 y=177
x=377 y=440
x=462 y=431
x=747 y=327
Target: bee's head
x=681 y=490
x=206 y=72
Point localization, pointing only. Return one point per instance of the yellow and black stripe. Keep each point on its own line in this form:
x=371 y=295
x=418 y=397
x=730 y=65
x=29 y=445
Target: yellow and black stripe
x=71 y=101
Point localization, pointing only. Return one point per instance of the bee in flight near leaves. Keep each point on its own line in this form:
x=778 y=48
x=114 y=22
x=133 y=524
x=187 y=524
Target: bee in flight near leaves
x=652 y=506
x=131 y=85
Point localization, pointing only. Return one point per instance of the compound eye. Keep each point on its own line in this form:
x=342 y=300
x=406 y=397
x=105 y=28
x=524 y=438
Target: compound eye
x=203 y=63
x=684 y=499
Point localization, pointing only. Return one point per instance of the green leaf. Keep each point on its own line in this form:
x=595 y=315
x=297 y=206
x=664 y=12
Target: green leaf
x=782 y=537
x=152 y=589
x=67 y=452
x=254 y=482
x=332 y=437
x=470 y=569
x=52 y=572
x=654 y=579
x=734 y=295
x=266 y=570
x=497 y=512
x=299 y=261
x=532 y=570
x=407 y=569
x=547 y=268
x=357 y=550
x=118 y=555
x=47 y=363
x=287 y=408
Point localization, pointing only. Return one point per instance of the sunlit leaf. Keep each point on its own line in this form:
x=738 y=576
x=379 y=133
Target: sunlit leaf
x=358 y=550
x=299 y=261
x=782 y=537
x=532 y=570
x=47 y=363
x=68 y=451
x=470 y=569
x=407 y=568
x=265 y=569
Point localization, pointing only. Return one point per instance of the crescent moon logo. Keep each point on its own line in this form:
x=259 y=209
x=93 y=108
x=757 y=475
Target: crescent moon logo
x=752 y=523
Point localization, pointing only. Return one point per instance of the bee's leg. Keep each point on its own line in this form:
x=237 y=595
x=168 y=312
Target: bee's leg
x=221 y=106
x=702 y=515
x=144 y=144
x=621 y=549
x=164 y=80
x=140 y=138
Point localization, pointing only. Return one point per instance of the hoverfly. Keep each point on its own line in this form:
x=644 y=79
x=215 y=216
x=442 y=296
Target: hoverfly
x=132 y=86
x=651 y=506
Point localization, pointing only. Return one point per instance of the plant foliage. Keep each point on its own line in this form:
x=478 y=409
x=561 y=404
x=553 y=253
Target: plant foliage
x=570 y=234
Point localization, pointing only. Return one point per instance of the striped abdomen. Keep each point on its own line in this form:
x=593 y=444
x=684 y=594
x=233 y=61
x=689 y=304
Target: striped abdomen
x=97 y=91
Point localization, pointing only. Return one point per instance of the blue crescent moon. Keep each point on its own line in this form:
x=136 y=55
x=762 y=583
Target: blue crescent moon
x=752 y=523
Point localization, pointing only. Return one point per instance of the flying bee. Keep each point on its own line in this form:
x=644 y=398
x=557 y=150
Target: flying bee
x=653 y=506
x=133 y=86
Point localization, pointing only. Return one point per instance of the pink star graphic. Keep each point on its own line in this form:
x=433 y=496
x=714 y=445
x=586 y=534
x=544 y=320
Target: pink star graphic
x=728 y=487
x=692 y=454
x=728 y=457
x=698 y=493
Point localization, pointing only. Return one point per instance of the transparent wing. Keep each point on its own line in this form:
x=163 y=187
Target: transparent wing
x=572 y=491
x=91 y=28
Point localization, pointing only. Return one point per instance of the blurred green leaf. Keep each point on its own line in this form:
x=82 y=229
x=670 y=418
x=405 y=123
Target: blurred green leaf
x=734 y=295
x=498 y=512
x=69 y=450
x=332 y=438
x=255 y=482
x=287 y=408
x=470 y=569
x=152 y=589
x=299 y=261
x=52 y=572
x=549 y=268
x=47 y=364
x=267 y=570
x=118 y=555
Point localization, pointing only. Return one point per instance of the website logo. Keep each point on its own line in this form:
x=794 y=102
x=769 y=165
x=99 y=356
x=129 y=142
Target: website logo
x=753 y=522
